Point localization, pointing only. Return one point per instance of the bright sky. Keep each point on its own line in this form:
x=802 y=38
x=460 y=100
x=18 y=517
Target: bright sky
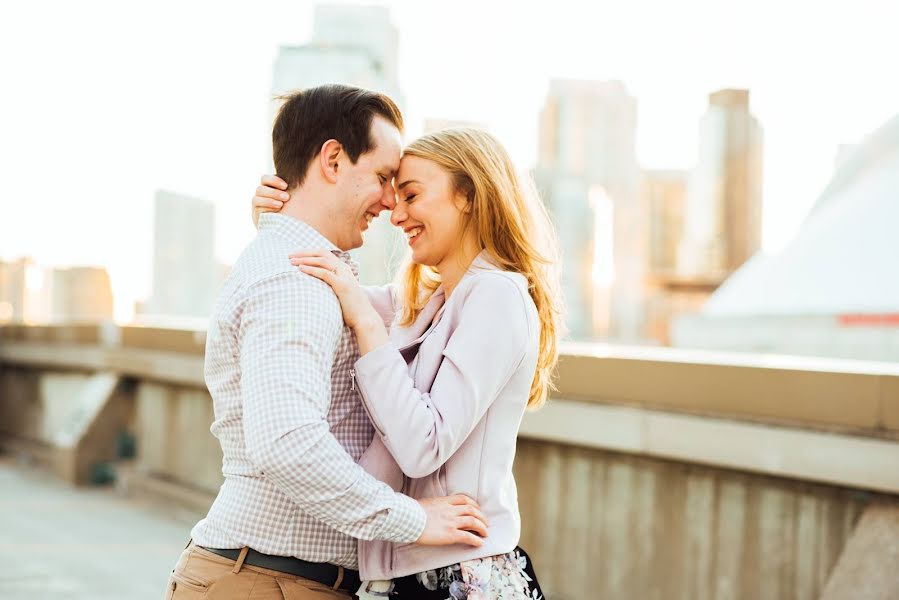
x=102 y=103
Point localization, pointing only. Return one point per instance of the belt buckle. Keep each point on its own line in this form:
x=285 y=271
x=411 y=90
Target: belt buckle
x=372 y=590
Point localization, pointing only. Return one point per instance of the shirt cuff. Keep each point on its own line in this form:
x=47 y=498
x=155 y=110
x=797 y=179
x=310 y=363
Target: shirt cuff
x=405 y=521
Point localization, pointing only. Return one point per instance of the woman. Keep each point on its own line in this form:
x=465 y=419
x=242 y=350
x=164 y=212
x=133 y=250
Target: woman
x=472 y=343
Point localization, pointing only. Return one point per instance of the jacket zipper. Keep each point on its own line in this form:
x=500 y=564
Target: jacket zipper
x=352 y=380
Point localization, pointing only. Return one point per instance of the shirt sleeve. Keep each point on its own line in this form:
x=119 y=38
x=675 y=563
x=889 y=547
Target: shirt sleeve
x=423 y=429
x=290 y=328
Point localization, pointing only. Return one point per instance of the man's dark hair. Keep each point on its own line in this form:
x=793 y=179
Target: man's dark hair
x=308 y=118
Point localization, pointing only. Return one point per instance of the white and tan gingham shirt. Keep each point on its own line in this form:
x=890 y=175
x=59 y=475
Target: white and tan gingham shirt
x=288 y=417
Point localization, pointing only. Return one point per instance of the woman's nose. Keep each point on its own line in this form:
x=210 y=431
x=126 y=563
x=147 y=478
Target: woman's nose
x=399 y=213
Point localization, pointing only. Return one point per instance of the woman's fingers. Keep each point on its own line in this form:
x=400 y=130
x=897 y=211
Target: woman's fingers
x=272 y=193
x=314 y=261
x=305 y=253
x=325 y=261
x=266 y=203
x=325 y=275
x=324 y=265
x=273 y=181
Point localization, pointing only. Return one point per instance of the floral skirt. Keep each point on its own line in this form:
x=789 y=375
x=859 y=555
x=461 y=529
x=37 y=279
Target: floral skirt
x=504 y=577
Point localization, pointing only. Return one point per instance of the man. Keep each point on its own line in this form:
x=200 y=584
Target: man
x=278 y=367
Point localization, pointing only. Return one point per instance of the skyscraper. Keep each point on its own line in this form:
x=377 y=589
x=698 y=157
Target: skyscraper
x=723 y=219
x=587 y=160
x=665 y=193
x=355 y=45
x=185 y=272
x=669 y=294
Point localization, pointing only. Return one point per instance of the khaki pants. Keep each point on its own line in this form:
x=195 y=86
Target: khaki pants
x=202 y=574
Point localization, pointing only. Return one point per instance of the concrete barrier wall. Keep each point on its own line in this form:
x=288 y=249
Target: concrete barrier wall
x=599 y=523
x=606 y=525
x=173 y=438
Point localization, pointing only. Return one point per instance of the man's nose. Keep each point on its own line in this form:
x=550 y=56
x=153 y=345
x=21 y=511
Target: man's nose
x=388 y=200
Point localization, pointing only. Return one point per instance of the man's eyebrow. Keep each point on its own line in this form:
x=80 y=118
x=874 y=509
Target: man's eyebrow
x=407 y=182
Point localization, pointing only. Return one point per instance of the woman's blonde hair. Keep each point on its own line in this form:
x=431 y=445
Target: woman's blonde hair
x=509 y=222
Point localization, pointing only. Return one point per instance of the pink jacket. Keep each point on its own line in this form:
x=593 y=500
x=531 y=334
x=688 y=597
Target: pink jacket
x=446 y=397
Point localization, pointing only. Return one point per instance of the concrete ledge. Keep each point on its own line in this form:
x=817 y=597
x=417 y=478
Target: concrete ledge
x=818 y=393
x=166 y=340
x=66 y=334
x=849 y=461
x=169 y=367
x=784 y=391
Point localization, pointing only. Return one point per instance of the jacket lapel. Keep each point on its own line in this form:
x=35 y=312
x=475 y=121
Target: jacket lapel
x=405 y=338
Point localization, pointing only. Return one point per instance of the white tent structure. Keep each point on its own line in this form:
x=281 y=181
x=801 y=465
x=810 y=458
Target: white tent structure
x=834 y=289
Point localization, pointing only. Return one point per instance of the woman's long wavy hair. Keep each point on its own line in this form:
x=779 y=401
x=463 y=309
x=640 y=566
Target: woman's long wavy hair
x=510 y=222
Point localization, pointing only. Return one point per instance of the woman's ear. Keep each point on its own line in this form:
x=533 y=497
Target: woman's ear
x=329 y=159
x=463 y=202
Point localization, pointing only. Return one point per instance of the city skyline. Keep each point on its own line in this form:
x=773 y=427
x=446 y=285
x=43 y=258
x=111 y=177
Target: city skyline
x=805 y=118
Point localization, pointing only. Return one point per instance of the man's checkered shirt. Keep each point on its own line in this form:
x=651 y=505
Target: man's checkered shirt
x=287 y=415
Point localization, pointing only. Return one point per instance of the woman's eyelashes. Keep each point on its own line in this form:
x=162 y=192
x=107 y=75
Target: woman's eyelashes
x=409 y=197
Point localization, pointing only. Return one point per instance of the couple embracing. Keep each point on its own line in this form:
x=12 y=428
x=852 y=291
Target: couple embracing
x=368 y=433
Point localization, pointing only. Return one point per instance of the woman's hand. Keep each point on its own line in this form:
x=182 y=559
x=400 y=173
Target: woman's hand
x=270 y=196
x=358 y=312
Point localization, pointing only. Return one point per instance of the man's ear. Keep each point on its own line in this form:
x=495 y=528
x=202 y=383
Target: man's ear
x=328 y=158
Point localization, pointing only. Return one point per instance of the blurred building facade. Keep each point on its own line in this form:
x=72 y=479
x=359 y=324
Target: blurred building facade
x=35 y=294
x=355 y=45
x=665 y=195
x=588 y=175
x=642 y=247
x=81 y=295
x=833 y=290
x=185 y=272
x=668 y=294
x=723 y=217
x=13 y=290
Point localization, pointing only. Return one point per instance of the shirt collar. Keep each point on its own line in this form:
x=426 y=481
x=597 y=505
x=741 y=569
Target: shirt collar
x=303 y=235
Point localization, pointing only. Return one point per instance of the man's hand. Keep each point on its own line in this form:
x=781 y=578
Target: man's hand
x=453 y=520
x=270 y=196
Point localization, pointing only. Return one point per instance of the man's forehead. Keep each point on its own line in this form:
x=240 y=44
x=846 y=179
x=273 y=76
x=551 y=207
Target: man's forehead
x=388 y=143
